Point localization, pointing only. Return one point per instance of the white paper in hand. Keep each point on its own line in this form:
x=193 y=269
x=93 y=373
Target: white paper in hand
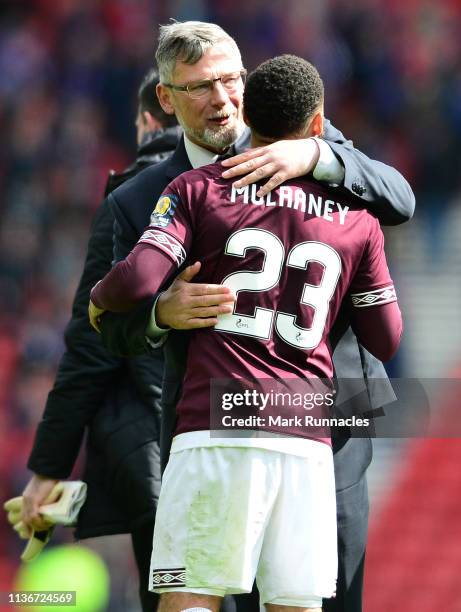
x=65 y=510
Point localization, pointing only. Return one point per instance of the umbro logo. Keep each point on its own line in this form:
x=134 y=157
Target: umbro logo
x=169 y=577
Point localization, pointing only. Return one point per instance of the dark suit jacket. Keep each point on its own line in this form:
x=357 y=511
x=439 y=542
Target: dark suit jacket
x=382 y=189
x=115 y=400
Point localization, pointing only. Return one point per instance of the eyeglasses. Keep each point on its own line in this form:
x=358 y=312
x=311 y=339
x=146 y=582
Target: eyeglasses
x=199 y=89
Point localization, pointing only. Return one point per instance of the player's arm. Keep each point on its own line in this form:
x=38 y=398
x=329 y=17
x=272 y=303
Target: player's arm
x=334 y=160
x=378 y=329
x=132 y=280
x=375 y=316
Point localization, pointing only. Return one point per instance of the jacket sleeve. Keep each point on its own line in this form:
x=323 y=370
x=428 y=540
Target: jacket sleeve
x=124 y=334
x=383 y=189
x=125 y=235
x=85 y=371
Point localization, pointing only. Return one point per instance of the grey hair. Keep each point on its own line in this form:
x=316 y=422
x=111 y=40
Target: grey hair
x=187 y=42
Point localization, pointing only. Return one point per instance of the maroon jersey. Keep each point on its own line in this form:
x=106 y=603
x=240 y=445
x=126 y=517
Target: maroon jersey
x=290 y=257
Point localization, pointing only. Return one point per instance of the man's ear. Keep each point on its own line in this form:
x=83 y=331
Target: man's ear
x=316 y=125
x=150 y=122
x=245 y=118
x=164 y=97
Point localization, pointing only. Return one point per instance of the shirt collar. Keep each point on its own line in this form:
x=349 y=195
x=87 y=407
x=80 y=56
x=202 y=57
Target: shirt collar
x=198 y=156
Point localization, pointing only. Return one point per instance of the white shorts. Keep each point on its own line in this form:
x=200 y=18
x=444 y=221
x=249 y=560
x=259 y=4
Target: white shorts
x=228 y=515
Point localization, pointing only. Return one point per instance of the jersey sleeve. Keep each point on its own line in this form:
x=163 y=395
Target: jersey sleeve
x=170 y=227
x=161 y=249
x=372 y=284
x=375 y=314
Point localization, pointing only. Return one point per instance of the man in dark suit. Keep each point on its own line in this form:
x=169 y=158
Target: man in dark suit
x=200 y=68
x=93 y=389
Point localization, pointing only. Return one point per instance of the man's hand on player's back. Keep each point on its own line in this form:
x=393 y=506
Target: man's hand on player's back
x=277 y=162
x=188 y=305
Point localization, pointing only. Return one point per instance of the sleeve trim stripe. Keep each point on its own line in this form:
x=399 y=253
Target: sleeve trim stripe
x=169 y=245
x=376 y=297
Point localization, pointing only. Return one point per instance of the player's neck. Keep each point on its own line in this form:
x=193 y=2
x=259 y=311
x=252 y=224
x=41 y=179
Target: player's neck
x=261 y=141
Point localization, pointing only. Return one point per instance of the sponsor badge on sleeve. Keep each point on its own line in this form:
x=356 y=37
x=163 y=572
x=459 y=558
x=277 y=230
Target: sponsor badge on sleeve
x=164 y=210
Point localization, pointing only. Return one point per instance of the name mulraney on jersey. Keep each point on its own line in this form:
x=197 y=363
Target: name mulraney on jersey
x=164 y=210
x=294 y=198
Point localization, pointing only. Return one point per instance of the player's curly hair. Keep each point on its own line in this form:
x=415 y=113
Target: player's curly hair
x=281 y=95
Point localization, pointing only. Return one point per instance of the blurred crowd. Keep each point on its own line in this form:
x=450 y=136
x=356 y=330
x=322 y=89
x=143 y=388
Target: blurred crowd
x=69 y=72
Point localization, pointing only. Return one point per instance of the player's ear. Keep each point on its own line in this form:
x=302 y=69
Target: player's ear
x=245 y=118
x=164 y=97
x=316 y=125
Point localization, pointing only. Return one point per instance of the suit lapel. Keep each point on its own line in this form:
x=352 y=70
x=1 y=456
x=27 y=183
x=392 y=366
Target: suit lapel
x=178 y=162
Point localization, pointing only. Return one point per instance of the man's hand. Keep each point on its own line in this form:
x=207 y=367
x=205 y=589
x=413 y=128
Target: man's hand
x=186 y=305
x=35 y=494
x=95 y=313
x=282 y=160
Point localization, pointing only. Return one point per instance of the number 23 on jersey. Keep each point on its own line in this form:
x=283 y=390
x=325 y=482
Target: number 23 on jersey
x=260 y=324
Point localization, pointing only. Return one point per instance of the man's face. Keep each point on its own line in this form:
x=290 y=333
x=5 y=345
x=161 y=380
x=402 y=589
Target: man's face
x=213 y=121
